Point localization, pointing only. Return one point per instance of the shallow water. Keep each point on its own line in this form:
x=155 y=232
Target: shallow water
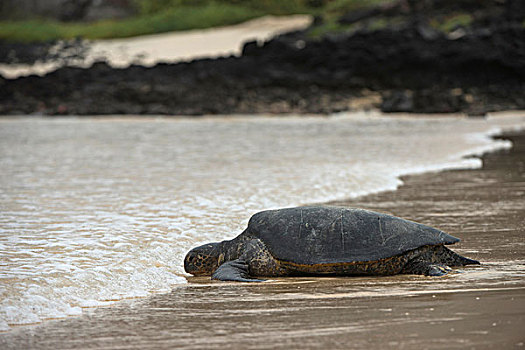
x=98 y=210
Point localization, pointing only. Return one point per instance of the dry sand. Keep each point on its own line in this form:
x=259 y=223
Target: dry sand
x=171 y=47
x=480 y=308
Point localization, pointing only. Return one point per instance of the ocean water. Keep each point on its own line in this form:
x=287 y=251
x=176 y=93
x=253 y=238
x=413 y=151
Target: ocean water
x=96 y=210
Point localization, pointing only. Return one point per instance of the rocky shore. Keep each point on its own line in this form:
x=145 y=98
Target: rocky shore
x=407 y=65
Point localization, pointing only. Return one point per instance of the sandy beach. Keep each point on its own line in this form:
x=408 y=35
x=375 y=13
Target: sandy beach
x=477 y=308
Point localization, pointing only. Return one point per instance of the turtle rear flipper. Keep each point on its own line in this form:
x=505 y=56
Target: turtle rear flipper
x=235 y=270
x=426 y=268
x=437 y=270
x=435 y=261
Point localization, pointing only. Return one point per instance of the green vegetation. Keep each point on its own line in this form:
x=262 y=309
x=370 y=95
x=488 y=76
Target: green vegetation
x=275 y=7
x=338 y=7
x=450 y=23
x=334 y=9
x=330 y=26
x=182 y=18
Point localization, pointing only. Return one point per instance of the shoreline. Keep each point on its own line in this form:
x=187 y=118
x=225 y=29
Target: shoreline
x=474 y=194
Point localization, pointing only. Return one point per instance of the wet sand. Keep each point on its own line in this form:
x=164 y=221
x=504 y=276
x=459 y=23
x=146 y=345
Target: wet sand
x=478 y=308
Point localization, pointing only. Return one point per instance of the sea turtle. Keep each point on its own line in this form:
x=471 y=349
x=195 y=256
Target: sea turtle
x=325 y=240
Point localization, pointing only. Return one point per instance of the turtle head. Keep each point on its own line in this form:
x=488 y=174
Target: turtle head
x=204 y=260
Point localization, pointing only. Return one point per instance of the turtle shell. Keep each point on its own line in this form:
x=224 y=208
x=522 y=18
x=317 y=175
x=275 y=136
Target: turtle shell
x=327 y=235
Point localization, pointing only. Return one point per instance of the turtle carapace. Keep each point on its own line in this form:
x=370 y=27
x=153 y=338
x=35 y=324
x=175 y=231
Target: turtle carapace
x=324 y=240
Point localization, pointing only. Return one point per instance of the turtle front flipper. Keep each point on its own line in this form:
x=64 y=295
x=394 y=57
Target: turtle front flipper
x=235 y=270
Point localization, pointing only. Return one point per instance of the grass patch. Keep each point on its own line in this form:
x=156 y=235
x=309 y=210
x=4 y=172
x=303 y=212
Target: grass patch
x=340 y=7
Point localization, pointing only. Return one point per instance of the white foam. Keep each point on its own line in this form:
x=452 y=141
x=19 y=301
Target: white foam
x=98 y=210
